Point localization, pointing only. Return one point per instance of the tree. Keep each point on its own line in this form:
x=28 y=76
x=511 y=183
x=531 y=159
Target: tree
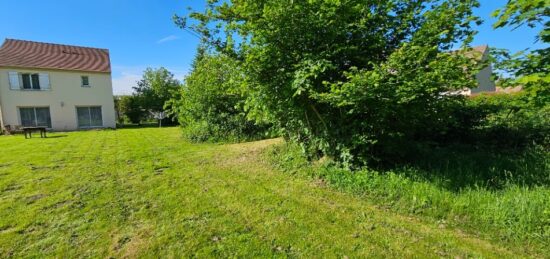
x=155 y=88
x=349 y=79
x=129 y=109
x=529 y=69
x=209 y=107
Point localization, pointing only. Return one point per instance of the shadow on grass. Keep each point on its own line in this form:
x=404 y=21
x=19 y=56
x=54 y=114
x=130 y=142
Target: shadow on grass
x=144 y=125
x=455 y=167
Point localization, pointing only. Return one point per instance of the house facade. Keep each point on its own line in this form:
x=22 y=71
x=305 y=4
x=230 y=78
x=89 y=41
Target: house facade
x=60 y=87
x=484 y=81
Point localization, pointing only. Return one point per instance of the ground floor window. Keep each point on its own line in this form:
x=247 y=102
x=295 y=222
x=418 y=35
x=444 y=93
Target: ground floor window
x=35 y=117
x=89 y=116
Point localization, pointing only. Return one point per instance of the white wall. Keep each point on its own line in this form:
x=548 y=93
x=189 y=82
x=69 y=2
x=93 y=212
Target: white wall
x=65 y=95
x=484 y=81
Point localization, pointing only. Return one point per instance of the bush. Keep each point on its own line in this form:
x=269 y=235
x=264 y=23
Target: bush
x=354 y=90
x=514 y=118
x=210 y=106
x=129 y=109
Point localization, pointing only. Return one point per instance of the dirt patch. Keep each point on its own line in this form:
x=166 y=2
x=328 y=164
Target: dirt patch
x=129 y=245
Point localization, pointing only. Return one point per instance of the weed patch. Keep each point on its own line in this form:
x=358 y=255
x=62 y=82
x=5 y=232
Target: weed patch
x=502 y=195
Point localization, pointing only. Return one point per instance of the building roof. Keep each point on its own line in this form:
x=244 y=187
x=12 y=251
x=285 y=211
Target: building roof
x=477 y=52
x=30 y=54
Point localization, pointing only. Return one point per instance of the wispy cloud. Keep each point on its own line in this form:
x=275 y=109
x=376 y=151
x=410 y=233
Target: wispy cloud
x=168 y=38
x=123 y=84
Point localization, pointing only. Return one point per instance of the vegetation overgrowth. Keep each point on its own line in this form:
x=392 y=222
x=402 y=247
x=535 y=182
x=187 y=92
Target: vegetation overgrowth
x=350 y=79
x=364 y=92
x=209 y=106
x=502 y=194
x=374 y=85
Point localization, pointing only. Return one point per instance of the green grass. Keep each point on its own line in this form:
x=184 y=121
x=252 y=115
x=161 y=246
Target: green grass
x=146 y=192
x=501 y=195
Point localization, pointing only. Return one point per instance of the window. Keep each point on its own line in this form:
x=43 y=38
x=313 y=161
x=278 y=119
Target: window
x=85 y=81
x=35 y=117
x=29 y=81
x=89 y=117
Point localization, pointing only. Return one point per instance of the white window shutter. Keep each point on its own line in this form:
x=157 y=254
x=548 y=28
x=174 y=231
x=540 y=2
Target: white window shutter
x=44 y=81
x=14 y=81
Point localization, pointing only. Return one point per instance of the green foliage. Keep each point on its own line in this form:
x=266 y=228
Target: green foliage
x=129 y=109
x=500 y=193
x=525 y=12
x=513 y=119
x=209 y=106
x=349 y=79
x=155 y=89
x=530 y=69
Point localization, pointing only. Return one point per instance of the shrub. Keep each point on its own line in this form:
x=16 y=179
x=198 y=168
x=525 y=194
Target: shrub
x=129 y=109
x=512 y=120
x=210 y=106
x=349 y=79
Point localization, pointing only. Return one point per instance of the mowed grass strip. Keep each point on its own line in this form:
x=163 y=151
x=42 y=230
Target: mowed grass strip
x=147 y=192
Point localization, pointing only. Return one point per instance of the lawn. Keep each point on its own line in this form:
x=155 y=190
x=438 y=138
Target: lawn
x=146 y=192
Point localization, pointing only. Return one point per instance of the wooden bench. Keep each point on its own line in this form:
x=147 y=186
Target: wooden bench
x=29 y=130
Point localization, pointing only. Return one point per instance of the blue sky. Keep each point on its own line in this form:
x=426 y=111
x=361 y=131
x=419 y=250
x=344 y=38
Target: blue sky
x=140 y=33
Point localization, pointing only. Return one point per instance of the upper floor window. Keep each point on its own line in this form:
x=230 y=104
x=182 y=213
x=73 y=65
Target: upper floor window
x=85 y=81
x=29 y=81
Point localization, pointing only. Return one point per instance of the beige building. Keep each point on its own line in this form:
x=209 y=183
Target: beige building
x=484 y=81
x=56 y=86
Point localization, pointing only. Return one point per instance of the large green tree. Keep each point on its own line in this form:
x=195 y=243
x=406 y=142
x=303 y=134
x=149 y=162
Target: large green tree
x=155 y=88
x=349 y=79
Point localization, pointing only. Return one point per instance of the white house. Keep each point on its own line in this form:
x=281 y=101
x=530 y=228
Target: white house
x=484 y=81
x=60 y=87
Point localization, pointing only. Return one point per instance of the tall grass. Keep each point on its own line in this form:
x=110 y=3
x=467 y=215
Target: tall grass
x=502 y=194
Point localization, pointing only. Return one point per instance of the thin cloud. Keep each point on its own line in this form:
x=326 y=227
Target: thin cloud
x=167 y=39
x=123 y=85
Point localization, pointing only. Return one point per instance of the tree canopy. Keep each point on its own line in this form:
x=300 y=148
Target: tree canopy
x=155 y=88
x=530 y=69
x=348 y=79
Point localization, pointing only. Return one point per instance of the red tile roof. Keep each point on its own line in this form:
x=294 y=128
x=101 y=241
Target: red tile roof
x=30 y=54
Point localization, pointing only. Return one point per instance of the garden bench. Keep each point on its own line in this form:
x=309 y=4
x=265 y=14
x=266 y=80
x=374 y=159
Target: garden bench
x=29 y=130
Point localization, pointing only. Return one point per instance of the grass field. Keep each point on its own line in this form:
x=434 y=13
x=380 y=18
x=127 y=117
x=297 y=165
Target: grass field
x=146 y=192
